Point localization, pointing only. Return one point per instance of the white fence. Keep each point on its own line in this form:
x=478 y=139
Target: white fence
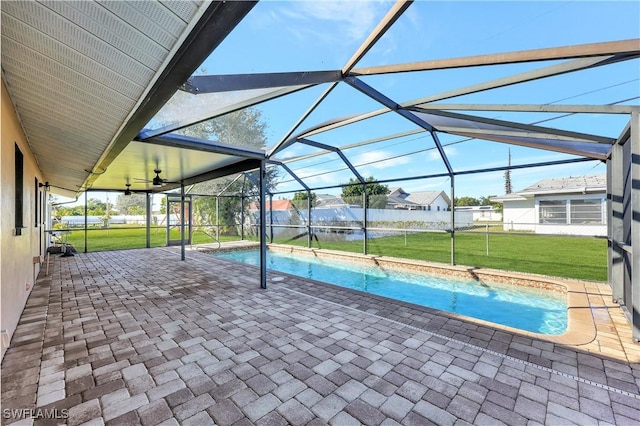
x=349 y=217
x=78 y=221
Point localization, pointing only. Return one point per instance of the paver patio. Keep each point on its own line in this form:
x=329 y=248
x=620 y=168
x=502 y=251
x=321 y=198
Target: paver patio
x=139 y=337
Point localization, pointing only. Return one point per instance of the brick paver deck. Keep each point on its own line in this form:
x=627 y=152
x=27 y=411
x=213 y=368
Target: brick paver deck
x=139 y=337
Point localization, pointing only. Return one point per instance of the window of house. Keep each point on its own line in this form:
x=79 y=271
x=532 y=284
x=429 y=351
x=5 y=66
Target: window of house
x=554 y=212
x=19 y=165
x=35 y=203
x=586 y=211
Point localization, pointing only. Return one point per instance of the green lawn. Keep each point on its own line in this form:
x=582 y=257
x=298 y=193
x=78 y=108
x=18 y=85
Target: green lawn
x=120 y=237
x=562 y=256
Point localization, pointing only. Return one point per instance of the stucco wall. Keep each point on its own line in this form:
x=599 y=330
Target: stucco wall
x=17 y=268
x=522 y=215
x=519 y=215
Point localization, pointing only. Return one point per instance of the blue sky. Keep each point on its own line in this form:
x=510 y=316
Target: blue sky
x=303 y=36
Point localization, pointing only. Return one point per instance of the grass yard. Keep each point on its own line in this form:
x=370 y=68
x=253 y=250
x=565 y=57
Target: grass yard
x=119 y=238
x=562 y=256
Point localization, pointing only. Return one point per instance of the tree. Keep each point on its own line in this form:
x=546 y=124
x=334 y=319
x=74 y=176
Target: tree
x=376 y=193
x=134 y=204
x=241 y=128
x=508 y=189
x=467 y=201
x=303 y=196
x=486 y=201
x=96 y=207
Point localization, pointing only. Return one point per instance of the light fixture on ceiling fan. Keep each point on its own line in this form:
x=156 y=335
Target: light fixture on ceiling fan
x=128 y=190
x=158 y=181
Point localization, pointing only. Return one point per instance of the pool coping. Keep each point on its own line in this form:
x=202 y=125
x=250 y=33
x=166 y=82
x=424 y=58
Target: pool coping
x=581 y=327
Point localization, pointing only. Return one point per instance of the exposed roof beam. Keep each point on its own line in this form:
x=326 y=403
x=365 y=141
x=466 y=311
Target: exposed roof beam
x=394 y=13
x=566 y=67
x=355 y=145
x=187 y=142
x=337 y=151
x=291 y=173
x=409 y=115
x=507 y=133
x=231 y=169
x=200 y=84
x=339 y=122
x=217 y=21
x=287 y=140
x=253 y=180
x=576 y=109
x=516 y=126
x=621 y=47
x=553 y=70
x=599 y=152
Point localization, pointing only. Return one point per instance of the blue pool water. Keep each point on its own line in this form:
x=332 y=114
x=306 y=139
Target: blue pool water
x=525 y=308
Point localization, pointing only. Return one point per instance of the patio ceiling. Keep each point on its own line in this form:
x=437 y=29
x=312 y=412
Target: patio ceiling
x=86 y=75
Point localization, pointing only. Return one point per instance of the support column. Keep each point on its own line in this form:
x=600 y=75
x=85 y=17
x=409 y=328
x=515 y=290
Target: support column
x=453 y=220
x=263 y=229
x=86 y=246
x=218 y=218
x=309 y=241
x=634 y=140
x=271 y=218
x=365 y=218
x=148 y=194
x=168 y=219
x=182 y=220
x=242 y=218
x=615 y=227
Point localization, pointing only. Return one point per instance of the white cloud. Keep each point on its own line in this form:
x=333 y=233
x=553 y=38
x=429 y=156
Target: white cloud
x=450 y=151
x=348 y=21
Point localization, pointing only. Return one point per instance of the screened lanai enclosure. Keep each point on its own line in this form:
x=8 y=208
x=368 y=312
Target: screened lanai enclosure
x=406 y=128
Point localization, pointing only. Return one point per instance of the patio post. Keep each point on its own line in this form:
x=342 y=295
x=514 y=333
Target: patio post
x=365 y=218
x=453 y=220
x=263 y=227
x=615 y=221
x=218 y=218
x=242 y=216
x=309 y=242
x=634 y=212
x=148 y=221
x=271 y=218
x=182 y=220
x=85 y=222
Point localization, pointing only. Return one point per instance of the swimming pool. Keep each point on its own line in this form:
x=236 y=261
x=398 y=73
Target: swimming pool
x=529 y=309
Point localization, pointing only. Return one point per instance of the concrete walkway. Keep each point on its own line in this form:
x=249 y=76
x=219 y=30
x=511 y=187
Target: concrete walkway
x=139 y=337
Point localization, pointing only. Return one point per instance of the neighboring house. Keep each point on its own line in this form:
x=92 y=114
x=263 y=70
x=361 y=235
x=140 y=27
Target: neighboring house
x=570 y=205
x=274 y=205
x=422 y=200
x=328 y=201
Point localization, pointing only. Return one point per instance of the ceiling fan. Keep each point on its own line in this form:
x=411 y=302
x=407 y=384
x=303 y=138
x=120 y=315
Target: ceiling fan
x=157 y=181
x=128 y=190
